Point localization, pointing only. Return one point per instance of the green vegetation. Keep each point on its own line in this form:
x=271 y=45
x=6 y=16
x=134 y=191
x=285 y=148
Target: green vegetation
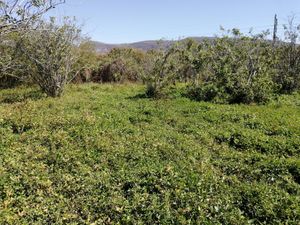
x=51 y=52
x=100 y=154
x=233 y=68
x=121 y=65
x=159 y=153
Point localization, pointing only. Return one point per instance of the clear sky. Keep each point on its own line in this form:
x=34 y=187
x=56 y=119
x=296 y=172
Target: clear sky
x=124 y=21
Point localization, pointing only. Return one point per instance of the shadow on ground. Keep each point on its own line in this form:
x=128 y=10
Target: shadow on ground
x=11 y=98
x=138 y=96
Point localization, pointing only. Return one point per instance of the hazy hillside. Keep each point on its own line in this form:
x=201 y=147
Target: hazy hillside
x=142 y=45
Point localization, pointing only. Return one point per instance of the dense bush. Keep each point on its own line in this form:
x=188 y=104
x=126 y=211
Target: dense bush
x=241 y=68
x=207 y=92
x=288 y=67
x=167 y=67
x=288 y=75
x=229 y=69
x=233 y=69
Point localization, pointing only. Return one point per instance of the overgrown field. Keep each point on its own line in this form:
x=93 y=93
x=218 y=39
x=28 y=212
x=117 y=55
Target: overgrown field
x=102 y=154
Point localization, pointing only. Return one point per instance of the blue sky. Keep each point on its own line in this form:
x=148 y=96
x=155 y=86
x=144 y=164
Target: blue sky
x=124 y=21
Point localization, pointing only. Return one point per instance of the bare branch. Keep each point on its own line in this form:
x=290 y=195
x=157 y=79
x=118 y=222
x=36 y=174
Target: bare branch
x=19 y=14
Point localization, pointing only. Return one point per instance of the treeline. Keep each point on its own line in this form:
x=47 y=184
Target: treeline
x=233 y=68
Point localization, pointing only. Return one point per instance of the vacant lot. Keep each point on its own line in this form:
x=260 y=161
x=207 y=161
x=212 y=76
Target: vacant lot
x=101 y=154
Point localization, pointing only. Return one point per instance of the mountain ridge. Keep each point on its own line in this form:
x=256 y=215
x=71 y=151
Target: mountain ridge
x=146 y=45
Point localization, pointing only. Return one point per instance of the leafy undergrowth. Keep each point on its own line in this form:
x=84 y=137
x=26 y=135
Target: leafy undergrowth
x=99 y=155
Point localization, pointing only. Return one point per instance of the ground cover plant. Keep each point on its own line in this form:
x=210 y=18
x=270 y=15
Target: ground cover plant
x=101 y=154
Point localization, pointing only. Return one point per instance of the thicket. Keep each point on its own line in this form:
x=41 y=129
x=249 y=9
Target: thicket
x=233 y=68
x=88 y=61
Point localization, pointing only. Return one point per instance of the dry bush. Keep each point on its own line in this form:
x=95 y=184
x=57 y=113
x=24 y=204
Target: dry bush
x=51 y=49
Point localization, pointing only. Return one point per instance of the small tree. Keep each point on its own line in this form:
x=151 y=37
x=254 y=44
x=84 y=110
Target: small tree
x=51 y=49
x=17 y=17
x=19 y=14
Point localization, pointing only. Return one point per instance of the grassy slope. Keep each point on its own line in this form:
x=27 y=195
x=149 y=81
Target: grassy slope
x=100 y=155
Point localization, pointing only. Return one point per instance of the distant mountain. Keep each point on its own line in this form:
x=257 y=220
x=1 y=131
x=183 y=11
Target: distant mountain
x=142 y=45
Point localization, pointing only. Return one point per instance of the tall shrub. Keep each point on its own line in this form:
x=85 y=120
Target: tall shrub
x=234 y=69
x=288 y=67
x=51 y=49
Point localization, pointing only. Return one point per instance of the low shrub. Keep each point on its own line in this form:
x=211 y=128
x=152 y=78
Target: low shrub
x=205 y=92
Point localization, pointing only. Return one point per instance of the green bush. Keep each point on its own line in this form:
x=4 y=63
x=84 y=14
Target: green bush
x=288 y=65
x=167 y=67
x=240 y=68
x=230 y=69
x=14 y=67
x=86 y=64
x=288 y=68
x=205 y=92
